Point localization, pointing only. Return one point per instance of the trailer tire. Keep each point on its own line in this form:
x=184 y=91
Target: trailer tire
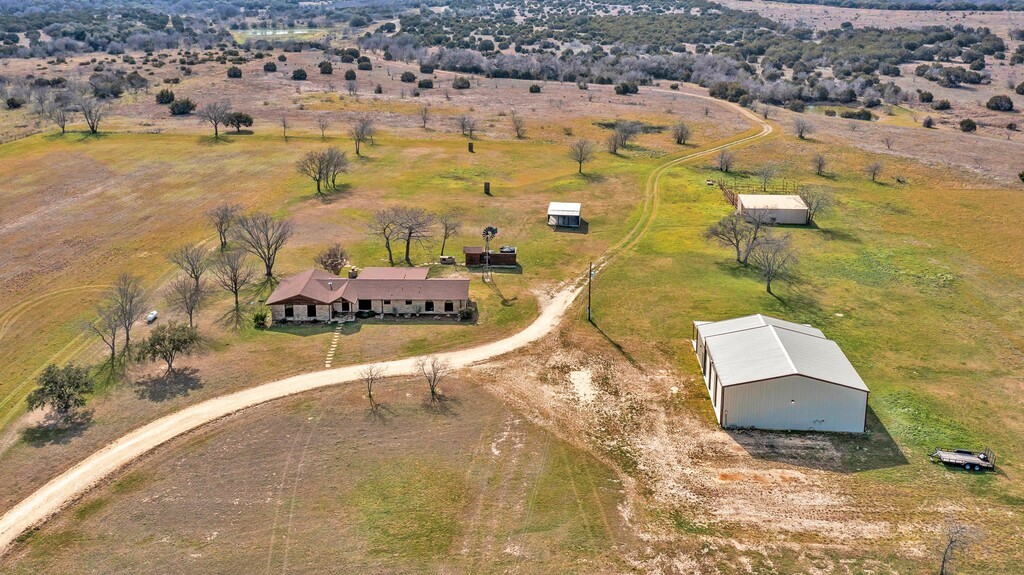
x=967 y=466
x=977 y=467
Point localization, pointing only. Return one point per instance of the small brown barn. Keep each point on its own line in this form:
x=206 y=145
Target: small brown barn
x=504 y=257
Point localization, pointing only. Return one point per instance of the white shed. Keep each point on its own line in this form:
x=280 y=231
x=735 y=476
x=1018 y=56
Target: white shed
x=564 y=214
x=779 y=209
x=768 y=373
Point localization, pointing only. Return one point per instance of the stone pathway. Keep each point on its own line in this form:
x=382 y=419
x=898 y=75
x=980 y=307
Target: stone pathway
x=334 y=347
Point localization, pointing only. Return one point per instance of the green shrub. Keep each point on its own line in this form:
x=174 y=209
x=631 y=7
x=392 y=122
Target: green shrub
x=426 y=69
x=1020 y=89
x=270 y=67
x=796 y=105
x=425 y=84
x=282 y=58
x=14 y=103
x=461 y=83
x=182 y=107
x=350 y=74
x=299 y=74
x=673 y=86
x=408 y=77
x=234 y=72
x=259 y=318
x=928 y=122
x=968 y=125
x=1000 y=103
x=326 y=67
x=535 y=88
x=1021 y=176
x=164 y=97
x=925 y=97
x=857 y=115
x=365 y=65
x=941 y=105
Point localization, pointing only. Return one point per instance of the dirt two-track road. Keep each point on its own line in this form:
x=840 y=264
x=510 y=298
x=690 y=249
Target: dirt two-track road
x=73 y=483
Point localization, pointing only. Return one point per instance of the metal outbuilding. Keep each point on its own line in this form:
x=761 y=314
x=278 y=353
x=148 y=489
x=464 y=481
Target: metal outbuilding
x=774 y=208
x=767 y=373
x=564 y=214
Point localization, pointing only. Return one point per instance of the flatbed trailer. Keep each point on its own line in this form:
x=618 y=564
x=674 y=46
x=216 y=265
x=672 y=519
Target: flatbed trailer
x=970 y=460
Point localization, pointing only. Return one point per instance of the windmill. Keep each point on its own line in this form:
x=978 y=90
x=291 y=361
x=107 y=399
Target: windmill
x=488 y=235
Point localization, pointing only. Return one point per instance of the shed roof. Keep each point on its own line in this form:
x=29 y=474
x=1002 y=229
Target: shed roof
x=564 y=208
x=757 y=348
x=772 y=201
x=393 y=273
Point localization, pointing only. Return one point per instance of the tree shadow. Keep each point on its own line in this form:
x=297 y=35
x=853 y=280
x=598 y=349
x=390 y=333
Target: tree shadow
x=497 y=290
x=800 y=299
x=213 y=141
x=591 y=178
x=584 y=228
x=167 y=386
x=56 y=431
x=334 y=194
x=242 y=133
x=233 y=319
x=85 y=136
x=831 y=234
x=379 y=413
x=837 y=452
x=442 y=405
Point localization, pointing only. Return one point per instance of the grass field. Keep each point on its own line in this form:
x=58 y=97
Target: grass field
x=316 y=483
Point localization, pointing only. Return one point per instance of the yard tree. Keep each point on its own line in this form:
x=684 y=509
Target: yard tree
x=332 y=259
x=874 y=170
x=888 y=141
x=130 y=304
x=168 y=341
x=337 y=162
x=518 y=125
x=450 y=226
x=819 y=161
x=62 y=389
x=802 y=127
x=106 y=327
x=726 y=160
x=819 y=200
x=314 y=166
x=581 y=151
x=94 y=110
x=192 y=259
x=263 y=236
x=424 y=116
x=765 y=173
x=322 y=123
x=384 y=225
x=434 y=370
x=284 y=127
x=56 y=110
x=223 y=217
x=414 y=225
x=775 y=257
x=238 y=120
x=680 y=133
x=187 y=296
x=215 y=114
x=371 y=375
x=234 y=272
x=467 y=125
x=362 y=131
x=736 y=232
x=611 y=144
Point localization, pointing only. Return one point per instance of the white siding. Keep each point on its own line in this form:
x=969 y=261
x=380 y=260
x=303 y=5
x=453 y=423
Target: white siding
x=797 y=403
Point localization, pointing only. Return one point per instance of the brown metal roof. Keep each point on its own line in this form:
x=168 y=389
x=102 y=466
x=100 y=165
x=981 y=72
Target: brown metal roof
x=473 y=250
x=372 y=283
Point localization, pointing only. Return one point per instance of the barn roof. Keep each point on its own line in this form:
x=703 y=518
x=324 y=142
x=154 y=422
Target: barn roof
x=564 y=208
x=757 y=348
x=772 y=201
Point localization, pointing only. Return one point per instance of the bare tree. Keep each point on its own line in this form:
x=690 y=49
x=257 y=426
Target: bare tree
x=874 y=170
x=187 y=296
x=802 y=127
x=222 y=217
x=284 y=127
x=819 y=163
x=93 y=110
x=581 y=151
x=128 y=299
x=57 y=111
x=726 y=159
x=467 y=125
x=385 y=226
x=424 y=116
x=765 y=173
x=888 y=141
x=215 y=114
x=518 y=125
x=414 y=224
x=775 y=257
x=262 y=236
x=314 y=165
x=737 y=232
x=372 y=375
x=362 y=132
x=191 y=258
x=333 y=259
x=352 y=87
x=106 y=326
x=322 y=123
x=435 y=370
x=234 y=272
x=612 y=144
x=956 y=539
x=681 y=133
x=450 y=226
x=819 y=200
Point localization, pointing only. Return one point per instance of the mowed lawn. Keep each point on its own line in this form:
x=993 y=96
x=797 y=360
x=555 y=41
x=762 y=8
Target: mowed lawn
x=315 y=484
x=81 y=209
x=920 y=283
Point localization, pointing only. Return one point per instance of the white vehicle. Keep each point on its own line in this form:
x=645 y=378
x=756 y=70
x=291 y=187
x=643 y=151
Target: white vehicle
x=151 y=317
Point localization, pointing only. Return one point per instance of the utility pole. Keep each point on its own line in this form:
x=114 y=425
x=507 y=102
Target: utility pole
x=590 y=280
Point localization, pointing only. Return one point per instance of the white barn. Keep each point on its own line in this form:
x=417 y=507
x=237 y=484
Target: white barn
x=767 y=373
x=779 y=209
x=564 y=214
